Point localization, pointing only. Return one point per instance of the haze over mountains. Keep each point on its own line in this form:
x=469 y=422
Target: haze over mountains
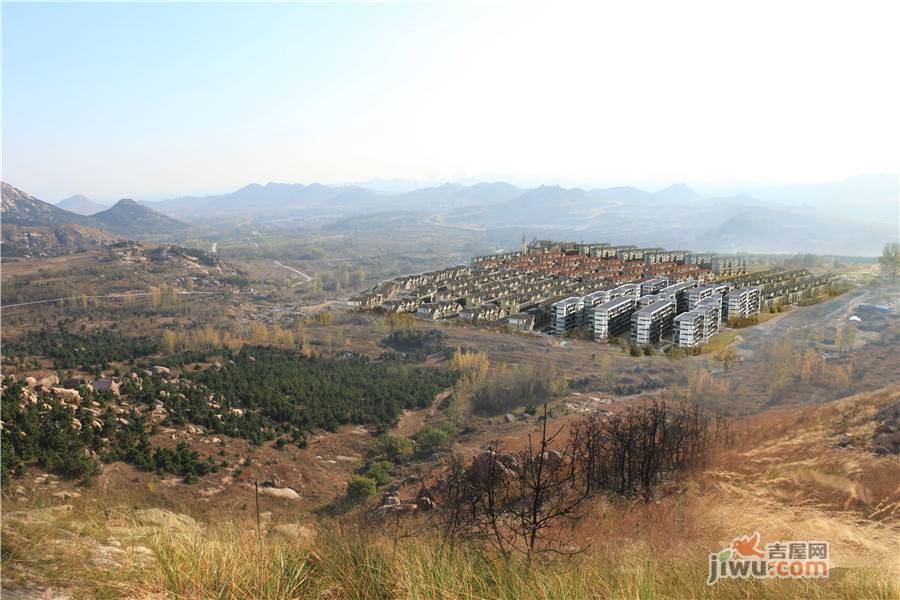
x=853 y=217
x=81 y=205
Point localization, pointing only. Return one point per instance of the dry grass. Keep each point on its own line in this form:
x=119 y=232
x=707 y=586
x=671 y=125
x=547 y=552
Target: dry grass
x=232 y=563
x=784 y=478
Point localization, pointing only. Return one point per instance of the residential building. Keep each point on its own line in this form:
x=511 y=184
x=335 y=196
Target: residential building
x=593 y=300
x=742 y=302
x=665 y=256
x=689 y=329
x=713 y=313
x=485 y=313
x=650 y=324
x=566 y=314
x=679 y=291
x=613 y=318
x=698 y=294
x=651 y=286
x=728 y=265
x=438 y=310
x=630 y=290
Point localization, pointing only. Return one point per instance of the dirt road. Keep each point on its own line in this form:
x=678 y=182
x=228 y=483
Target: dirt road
x=306 y=278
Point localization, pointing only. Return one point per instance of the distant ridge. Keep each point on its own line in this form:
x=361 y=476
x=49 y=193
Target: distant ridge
x=81 y=205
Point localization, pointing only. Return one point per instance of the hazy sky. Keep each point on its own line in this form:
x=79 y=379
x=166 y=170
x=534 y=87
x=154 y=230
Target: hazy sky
x=149 y=101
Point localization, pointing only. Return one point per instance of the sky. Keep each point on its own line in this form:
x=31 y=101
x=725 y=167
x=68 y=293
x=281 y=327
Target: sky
x=152 y=101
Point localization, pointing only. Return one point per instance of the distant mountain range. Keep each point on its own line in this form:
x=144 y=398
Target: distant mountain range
x=81 y=205
x=854 y=217
x=32 y=226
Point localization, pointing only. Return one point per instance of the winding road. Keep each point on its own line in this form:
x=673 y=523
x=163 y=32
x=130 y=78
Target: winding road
x=306 y=277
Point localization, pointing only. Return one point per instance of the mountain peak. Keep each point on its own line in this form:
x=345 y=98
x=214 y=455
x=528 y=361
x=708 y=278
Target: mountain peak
x=678 y=192
x=133 y=219
x=81 y=204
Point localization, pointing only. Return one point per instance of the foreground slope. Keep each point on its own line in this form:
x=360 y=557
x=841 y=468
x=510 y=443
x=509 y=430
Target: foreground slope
x=790 y=474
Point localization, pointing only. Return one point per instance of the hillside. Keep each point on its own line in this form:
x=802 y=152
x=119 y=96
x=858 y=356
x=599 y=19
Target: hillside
x=19 y=241
x=20 y=208
x=81 y=205
x=781 y=230
x=786 y=475
x=127 y=217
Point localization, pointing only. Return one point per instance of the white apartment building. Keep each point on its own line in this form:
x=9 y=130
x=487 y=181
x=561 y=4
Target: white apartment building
x=742 y=302
x=679 y=291
x=650 y=324
x=652 y=298
x=630 y=290
x=652 y=258
x=651 y=286
x=566 y=314
x=713 y=309
x=608 y=251
x=613 y=318
x=729 y=265
x=593 y=300
x=689 y=329
x=698 y=294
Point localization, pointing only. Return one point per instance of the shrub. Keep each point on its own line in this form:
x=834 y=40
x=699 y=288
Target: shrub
x=415 y=343
x=397 y=448
x=359 y=488
x=432 y=439
x=379 y=471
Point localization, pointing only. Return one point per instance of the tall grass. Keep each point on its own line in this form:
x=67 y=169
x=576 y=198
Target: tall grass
x=236 y=564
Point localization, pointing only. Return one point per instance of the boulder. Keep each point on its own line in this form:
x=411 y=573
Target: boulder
x=884 y=443
x=283 y=493
x=49 y=381
x=509 y=418
x=66 y=495
x=66 y=395
x=106 y=385
x=164 y=519
x=159 y=370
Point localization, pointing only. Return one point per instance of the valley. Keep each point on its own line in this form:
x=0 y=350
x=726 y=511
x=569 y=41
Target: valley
x=226 y=392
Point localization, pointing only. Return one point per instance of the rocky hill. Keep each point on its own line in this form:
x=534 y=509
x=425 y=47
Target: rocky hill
x=20 y=208
x=132 y=219
x=51 y=241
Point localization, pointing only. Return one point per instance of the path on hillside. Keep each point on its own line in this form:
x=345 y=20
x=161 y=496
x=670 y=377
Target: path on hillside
x=306 y=277
x=799 y=317
x=116 y=295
